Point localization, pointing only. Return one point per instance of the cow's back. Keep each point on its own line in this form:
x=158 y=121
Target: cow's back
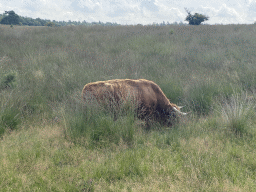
x=146 y=92
x=117 y=89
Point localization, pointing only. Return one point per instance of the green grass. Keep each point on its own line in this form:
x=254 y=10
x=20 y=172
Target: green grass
x=51 y=141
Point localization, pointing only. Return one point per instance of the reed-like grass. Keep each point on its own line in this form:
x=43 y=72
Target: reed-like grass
x=51 y=142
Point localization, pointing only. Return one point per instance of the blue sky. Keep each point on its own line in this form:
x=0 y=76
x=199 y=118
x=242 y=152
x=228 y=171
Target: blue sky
x=134 y=11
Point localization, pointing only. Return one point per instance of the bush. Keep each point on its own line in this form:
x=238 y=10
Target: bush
x=8 y=80
x=9 y=119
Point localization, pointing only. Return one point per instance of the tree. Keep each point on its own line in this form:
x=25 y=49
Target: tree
x=50 y=24
x=195 y=19
x=11 y=18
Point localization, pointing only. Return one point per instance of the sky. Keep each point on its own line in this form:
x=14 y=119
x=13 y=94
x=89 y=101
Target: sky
x=134 y=11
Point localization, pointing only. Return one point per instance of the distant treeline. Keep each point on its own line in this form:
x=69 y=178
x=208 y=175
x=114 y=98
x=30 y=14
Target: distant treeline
x=11 y=18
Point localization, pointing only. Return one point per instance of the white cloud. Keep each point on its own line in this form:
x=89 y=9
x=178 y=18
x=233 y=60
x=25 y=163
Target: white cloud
x=225 y=11
x=133 y=11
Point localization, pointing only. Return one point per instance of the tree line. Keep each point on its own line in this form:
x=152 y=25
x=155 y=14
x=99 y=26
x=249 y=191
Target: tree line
x=11 y=18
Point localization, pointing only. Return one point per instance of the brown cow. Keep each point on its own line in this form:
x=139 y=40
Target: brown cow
x=151 y=102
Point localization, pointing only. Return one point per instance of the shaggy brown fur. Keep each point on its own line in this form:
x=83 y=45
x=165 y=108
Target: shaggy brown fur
x=150 y=99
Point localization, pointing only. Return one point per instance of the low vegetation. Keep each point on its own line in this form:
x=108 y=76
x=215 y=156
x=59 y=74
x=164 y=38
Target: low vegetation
x=51 y=141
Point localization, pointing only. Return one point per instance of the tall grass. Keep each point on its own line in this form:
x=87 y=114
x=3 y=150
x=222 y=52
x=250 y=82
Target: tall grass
x=237 y=111
x=48 y=134
x=99 y=126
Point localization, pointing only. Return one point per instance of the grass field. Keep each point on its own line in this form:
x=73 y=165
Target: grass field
x=50 y=142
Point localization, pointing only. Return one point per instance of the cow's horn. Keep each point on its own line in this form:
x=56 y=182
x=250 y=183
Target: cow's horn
x=176 y=110
x=181 y=106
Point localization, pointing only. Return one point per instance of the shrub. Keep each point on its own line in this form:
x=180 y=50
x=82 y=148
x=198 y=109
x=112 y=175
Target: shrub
x=9 y=119
x=8 y=80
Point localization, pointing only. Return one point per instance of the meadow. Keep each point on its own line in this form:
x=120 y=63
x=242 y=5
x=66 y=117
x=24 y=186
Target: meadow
x=50 y=142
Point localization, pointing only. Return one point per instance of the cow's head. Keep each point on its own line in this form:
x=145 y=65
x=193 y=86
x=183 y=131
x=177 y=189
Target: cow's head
x=174 y=115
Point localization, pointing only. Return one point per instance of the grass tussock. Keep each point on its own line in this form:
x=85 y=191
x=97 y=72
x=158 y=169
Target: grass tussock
x=48 y=134
x=237 y=113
